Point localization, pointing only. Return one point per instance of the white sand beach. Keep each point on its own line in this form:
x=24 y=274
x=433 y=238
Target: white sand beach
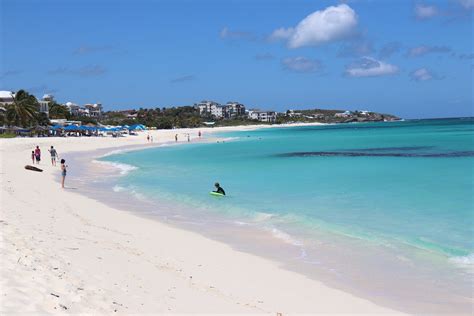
x=65 y=253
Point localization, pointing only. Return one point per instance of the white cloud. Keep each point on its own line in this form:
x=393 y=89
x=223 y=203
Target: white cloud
x=424 y=50
x=264 y=56
x=423 y=74
x=301 y=64
x=370 y=67
x=356 y=48
x=86 y=71
x=183 y=79
x=425 y=11
x=331 y=24
x=467 y=4
x=225 y=33
x=282 y=34
x=389 y=49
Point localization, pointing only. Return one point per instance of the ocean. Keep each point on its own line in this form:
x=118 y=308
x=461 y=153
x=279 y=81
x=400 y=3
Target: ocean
x=353 y=199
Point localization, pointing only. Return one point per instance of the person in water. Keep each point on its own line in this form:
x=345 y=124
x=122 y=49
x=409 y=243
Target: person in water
x=63 y=172
x=219 y=189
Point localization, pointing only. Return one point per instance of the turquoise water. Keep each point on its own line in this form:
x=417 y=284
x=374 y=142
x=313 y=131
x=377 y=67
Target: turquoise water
x=398 y=184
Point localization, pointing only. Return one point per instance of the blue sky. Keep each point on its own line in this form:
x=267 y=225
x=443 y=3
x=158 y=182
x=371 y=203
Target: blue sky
x=410 y=58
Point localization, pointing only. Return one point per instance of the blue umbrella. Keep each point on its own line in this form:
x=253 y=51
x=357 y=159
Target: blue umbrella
x=56 y=127
x=137 y=127
x=71 y=128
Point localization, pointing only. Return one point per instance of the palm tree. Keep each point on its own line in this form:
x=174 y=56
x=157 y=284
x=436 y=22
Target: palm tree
x=23 y=110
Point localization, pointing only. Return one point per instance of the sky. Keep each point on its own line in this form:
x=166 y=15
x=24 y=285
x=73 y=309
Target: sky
x=410 y=58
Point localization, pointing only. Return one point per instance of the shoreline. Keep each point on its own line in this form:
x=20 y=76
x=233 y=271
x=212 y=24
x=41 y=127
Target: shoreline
x=65 y=253
x=276 y=241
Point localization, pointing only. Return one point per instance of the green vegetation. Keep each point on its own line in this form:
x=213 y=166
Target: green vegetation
x=24 y=112
x=162 y=118
x=7 y=135
x=58 y=111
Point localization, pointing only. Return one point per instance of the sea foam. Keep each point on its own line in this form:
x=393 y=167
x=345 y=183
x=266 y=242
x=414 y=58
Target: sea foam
x=124 y=168
x=464 y=260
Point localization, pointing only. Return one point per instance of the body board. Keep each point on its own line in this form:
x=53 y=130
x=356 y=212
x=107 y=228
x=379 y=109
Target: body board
x=216 y=194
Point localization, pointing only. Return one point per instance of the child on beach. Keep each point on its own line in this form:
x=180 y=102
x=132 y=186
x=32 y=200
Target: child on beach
x=38 y=155
x=54 y=155
x=63 y=172
x=33 y=157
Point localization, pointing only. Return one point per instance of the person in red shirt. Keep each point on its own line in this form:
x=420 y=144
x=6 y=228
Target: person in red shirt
x=38 y=154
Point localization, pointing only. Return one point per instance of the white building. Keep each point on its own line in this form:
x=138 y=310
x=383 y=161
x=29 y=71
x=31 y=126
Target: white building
x=44 y=103
x=94 y=110
x=234 y=109
x=230 y=110
x=211 y=108
x=263 y=116
x=207 y=107
x=6 y=97
x=292 y=113
x=343 y=114
x=89 y=110
x=73 y=108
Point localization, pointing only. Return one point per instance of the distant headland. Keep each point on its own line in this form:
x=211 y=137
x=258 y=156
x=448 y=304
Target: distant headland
x=22 y=109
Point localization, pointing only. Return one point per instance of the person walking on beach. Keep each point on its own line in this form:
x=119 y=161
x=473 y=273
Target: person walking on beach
x=199 y=134
x=38 y=155
x=33 y=157
x=189 y=139
x=151 y=139
x=148 y=138
x=54 y=155
x=176 y=137
x=63 y=172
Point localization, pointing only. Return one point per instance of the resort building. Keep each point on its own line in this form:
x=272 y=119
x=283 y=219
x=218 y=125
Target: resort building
x=89 y=110
x=292 y=113
x=73 y=108
x=234 y=109
x=6 y=97
x=65 y=122
x=343 y=114
x=94 y=110
x=44 y=103
x=216 y=110
x=263 y=116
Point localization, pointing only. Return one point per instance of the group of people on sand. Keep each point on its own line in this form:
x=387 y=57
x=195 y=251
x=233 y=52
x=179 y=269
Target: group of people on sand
x=36 y=158
x=188 y=136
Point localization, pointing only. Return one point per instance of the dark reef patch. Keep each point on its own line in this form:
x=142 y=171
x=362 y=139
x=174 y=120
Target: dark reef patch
x=453 y=154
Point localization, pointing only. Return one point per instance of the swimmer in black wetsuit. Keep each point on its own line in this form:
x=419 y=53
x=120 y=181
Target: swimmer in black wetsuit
x=219 y=189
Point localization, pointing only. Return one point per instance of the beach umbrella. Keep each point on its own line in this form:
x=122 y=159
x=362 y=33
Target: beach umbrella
x=70 y=128
x=56 y=127
x=137 y=127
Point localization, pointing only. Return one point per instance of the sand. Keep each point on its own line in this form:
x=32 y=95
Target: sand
x=63 y=253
